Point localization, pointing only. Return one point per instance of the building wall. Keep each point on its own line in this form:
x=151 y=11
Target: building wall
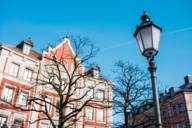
x=174 y=113
x=7 y=56
x=188 y=101
x=16 y=82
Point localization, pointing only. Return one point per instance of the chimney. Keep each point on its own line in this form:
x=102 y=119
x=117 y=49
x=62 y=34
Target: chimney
x=188 y=80
x=95 y=71
x=173 y=91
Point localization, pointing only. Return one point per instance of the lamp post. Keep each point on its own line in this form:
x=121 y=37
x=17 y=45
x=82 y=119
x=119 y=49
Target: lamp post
x=148 y=36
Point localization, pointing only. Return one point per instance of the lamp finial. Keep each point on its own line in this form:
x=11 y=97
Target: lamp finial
x=145 y=17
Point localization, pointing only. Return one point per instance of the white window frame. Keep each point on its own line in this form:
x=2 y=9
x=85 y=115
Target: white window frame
x=48 y=99
x=44 y=125
x=28 y=74
x=91 y=92
x=100 y=95
x=6 y=96
x=2 y=120
x=49 y=86
x=16 y=125
x=69 y=108
x=26 y=49
x=22 y=100
x=100 y=115
x=89 y=113
x=14 y=69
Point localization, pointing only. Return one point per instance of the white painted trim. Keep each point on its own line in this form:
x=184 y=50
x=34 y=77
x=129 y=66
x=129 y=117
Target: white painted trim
x=66 y=40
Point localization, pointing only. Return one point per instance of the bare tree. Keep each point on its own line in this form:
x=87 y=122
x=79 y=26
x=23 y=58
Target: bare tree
x=130 y=92
x=62 y=73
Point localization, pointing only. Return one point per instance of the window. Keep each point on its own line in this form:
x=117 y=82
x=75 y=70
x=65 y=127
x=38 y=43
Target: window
x=91 y=92
x=174 y=109
x=28 y=74
x=23 y=98
x=48 y=103
x=164 y=112
x=69 y=108
x=58 y=105
x=100 y=115
x=181 y=107
x=48 y=86
x=18 y=123
x=26 y=49
x=180 y=125
x=44 y=125
x=13 y=70
x=3 y=120
x=53 y=60
x=7 y=94
x=89 y=113
x=100 y=95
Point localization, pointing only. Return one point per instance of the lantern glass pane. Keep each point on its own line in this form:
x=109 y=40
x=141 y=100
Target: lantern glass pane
x=156 y=37
x=146 y=35
x=139 y=41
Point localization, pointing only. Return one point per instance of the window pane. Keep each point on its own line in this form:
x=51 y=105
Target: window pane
x=58 y=105
x=26 y=49
x=3 y=119
x=27 y=74
x=47 y=103
x=89 y=113
x=156 y=37
x=140 y=43
x=100 y=115
x=7 y=94
x=100 y=95
x=13 y=69
x=146 y=37
x=18 y=123
x=69 y=108
x=91 y=93
x=44 y=125
x=23 y=98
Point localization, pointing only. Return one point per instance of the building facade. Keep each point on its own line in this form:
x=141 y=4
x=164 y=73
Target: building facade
x=175 y=107
x=19 y=66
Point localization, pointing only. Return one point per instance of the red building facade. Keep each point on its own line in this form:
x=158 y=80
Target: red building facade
x=175 y=107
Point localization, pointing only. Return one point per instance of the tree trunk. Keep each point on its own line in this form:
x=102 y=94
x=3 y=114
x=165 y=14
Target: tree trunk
x=126 y=118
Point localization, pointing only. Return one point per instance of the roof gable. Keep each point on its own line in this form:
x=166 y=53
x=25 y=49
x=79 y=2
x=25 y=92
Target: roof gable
x=62 y=51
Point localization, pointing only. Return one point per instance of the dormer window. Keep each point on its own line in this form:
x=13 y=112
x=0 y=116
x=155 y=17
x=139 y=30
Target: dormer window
x=26 y=49
x=26 y=46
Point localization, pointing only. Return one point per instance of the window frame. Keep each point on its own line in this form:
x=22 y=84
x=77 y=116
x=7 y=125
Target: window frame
x=18 y=119
x=11 y=70
x=18 y=101
x=88 y=112
x=91 y=92
x=1 y=120
x=26 y=49
x=48 y=97
x=7 y=96
x=103 y=116
x=98 y=96
x=69 y=108
x=44 y=125
x=26 y=74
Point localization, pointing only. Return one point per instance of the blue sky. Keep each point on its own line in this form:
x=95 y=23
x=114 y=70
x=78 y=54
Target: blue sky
x=110 y=24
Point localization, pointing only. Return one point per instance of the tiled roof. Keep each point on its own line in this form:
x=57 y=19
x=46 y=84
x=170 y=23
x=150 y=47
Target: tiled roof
x=33 y=54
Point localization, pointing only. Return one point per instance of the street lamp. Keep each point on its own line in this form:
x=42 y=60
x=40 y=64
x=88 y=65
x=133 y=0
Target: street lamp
x=148 y=36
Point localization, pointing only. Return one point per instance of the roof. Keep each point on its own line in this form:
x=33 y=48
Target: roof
x=33 y=54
